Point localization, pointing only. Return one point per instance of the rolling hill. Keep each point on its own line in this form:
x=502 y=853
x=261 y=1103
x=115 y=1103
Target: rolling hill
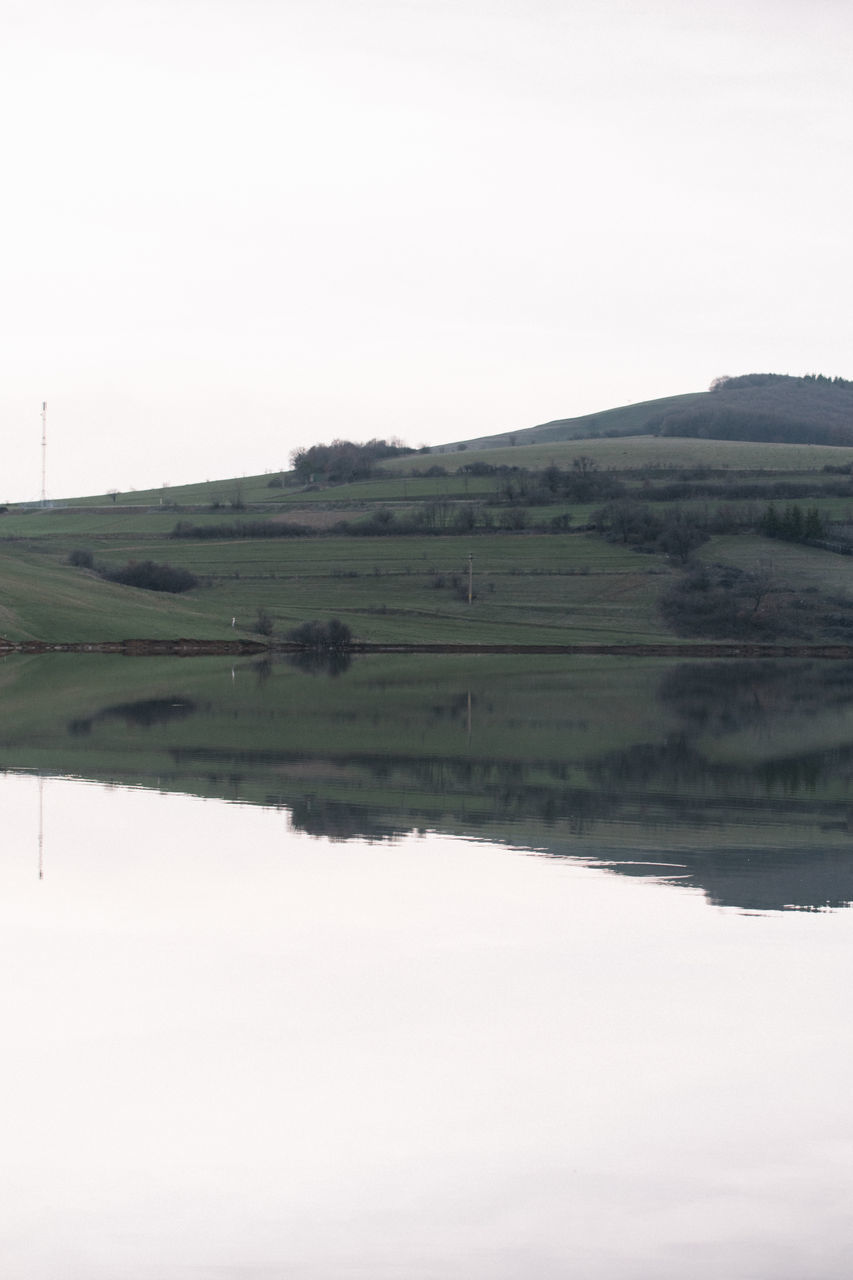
x=595 y=542
x=765 y=407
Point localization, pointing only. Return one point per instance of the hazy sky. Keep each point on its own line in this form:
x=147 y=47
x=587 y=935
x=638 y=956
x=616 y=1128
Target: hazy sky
x=231 y=227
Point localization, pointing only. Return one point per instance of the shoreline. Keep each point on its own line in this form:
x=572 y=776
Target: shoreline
x=185 y=647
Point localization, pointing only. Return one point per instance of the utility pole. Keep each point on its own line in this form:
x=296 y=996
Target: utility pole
x=470 y=577
x=44 y=453
x=41 y=827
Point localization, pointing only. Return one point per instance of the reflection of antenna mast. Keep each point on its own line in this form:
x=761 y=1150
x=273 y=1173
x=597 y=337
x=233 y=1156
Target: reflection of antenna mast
x=41 y=827
x=43 y=452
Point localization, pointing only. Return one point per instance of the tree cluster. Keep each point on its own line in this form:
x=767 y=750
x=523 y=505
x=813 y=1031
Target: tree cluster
x=581 y=482
x=152 y=576
x=742 y=380
x=772 y=408
x=344 y=460
x=793 y=524
x=636 y=524
x=333 y=635
x=724 y=603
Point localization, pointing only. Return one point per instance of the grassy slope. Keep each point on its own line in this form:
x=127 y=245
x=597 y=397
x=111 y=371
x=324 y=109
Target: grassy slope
x=639 y=452
x=620 y=421
x=41 y=599
x=810 y=408
x=530 y=588
x=799 y=567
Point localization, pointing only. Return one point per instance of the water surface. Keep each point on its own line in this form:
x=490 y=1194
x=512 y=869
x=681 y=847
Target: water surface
x=553 y=984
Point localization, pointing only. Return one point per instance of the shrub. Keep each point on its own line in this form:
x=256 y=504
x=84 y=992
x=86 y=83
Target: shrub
x=240 y=529
x=465 y=519
x=264 y=623
x=318 y=636
x=723 y=602
x=317 y=662
x=81 y=558
x=680 y=535
x=629 y=522
x=151 y=576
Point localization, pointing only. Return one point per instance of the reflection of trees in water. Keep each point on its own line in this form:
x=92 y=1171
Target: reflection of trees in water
x=338 y=820
x=505 y=790
x=726 y=696
x=719 y=698
x=144 y=714
x=675 y=766
x=646 y=763
x=342 y=821
x=321 y=662
x=748 y=878
x=459 y=707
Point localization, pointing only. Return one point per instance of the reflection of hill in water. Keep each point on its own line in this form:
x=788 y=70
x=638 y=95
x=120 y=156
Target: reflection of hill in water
x=737 y=773
x=759 y=839
x=758 y=879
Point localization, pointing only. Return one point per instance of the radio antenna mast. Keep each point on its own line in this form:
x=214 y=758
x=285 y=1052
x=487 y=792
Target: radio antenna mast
x=41 y=826
x=44 y=453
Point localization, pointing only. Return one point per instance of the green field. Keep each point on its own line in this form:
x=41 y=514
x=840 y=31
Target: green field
x=528 y=589
x=637 y=452
x=803 y=569
x=531 y=585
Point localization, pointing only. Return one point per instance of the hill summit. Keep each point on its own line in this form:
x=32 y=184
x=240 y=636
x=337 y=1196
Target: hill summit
x=765 y=407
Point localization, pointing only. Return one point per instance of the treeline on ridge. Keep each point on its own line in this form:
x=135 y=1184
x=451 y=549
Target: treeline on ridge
x=768 y=408
x=344 y=460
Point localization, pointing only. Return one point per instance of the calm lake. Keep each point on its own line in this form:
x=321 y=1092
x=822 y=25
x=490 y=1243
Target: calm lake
x=459 y=967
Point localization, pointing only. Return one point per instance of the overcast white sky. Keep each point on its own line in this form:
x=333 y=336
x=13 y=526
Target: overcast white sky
x=232 y=227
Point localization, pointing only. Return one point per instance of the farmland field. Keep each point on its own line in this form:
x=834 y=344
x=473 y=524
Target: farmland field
x=636 y=452
x=544 y=569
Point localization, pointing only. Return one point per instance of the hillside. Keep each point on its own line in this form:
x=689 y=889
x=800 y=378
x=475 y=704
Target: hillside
x=763 y=407
x=614 y=540
x=627 y=420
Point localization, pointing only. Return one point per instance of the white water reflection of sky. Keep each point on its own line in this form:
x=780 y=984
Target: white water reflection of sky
x=232 y=1050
